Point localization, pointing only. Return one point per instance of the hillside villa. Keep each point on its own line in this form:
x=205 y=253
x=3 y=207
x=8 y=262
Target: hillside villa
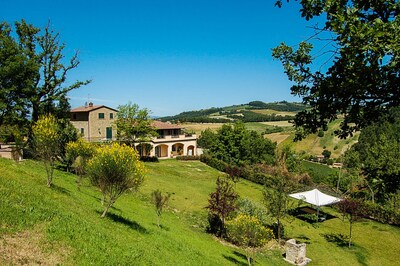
x=95 y=124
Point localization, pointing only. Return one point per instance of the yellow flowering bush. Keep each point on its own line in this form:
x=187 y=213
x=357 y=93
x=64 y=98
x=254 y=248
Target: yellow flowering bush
x=248 y=232
x=79 y=152
x=47 y=144
x=115 y=169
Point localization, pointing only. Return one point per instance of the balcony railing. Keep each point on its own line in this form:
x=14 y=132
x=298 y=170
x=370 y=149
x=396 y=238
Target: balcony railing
x=176 y=137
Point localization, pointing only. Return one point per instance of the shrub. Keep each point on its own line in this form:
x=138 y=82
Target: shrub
x=251 y=208
x=79 y=152
x=248 y=232
x=188 y=158
x=152 y=159
x=381 y=213
x=320 y=133
x=159 y=202
x=213 y=162
x=214 y=224
x=115 y=169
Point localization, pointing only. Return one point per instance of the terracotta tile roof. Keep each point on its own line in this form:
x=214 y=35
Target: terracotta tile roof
x=83 y=109
x=162 y=125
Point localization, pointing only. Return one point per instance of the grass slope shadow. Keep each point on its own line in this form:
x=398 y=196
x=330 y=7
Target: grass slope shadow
x=343 y=241
x=131 y=224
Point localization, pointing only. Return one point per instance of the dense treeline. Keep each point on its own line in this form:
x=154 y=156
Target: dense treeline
x=200 y=119
x=190 y=115
x=282 y=106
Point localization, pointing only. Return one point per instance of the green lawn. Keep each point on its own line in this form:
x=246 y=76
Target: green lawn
x=63 y=225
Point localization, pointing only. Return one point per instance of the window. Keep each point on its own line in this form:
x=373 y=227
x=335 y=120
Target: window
x=82 y=131
x=101 y=115
x=111 y=115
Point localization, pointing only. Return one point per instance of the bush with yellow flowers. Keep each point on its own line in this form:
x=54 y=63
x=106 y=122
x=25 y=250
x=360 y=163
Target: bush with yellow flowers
x=47 y=144
x=248 y=232
x=114 y=169
x=79 y=152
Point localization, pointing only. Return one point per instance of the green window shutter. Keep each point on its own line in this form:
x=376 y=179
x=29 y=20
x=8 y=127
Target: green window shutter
x=101 y=115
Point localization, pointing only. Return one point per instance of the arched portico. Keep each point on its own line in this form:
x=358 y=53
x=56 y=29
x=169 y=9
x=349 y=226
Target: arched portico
x=177 y=149
x=161 y=151
x=190 y=150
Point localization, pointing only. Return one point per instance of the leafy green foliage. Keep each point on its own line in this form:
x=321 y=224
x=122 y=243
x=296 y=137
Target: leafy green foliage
x=236 y=145
x=326 y=154
x=68 y=133
x=33 y=76
x=361 y=78
x=276 y=196
x=376 y=155
x=16 y=75
x=115 y=169
x=249 y=207
x=134 y=125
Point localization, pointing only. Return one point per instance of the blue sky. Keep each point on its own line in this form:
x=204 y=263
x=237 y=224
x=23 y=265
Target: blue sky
x=171 y=56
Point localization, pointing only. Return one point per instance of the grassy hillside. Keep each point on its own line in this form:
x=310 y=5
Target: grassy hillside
x=62 y=225
x=314 y=145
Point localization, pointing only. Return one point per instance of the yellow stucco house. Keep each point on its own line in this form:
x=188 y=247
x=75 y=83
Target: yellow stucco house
x=95 y=123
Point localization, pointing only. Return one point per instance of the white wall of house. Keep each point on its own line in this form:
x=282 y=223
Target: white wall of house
x=166 y=149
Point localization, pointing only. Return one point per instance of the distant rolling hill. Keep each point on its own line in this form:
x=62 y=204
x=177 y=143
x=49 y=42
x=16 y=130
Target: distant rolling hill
x=255 y=111
x=270 y=119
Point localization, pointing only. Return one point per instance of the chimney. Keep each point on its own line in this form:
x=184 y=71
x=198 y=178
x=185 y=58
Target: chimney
x=90 y=104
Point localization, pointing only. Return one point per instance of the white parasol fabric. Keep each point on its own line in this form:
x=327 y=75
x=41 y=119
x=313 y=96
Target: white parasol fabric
x=315 y=197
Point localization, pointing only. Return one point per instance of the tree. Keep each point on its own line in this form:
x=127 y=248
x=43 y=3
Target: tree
x=326 y=154
x=248 y=232
x=222 y=202
x=33 y=74
x=46 y=139
x=276 y=192
x=134 y=125
x=115 y=169
x=68 y=133
x=376 y=155
x=352 y=210
x=361 y=56
x=235 y=145
x=159 y=201
x=16 y=75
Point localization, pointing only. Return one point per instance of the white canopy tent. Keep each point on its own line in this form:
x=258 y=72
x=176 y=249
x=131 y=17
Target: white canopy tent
x=315 y=197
